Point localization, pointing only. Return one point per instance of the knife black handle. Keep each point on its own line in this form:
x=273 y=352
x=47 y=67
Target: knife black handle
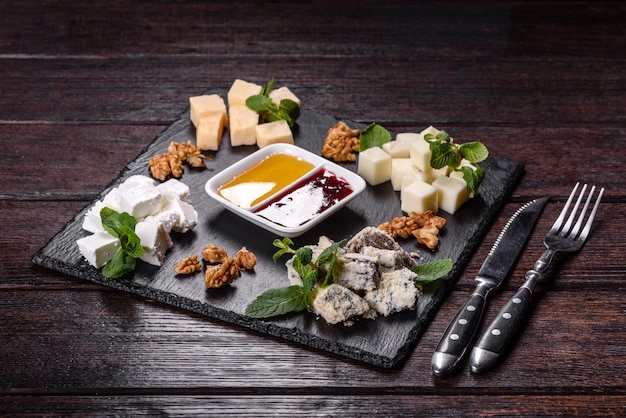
x=459 y=335
x=500 y=332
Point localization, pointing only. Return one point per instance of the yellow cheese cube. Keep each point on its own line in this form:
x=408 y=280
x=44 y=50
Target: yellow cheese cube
x=273 y=133
x=452 y=193
x=410 y=176
x=420 y=155
x=397 y=149
x=243 y=123
x=203 y=104
x=240 y=91
x=418 y=197
x=210 y=130
x=374 y=166
x=283 y=93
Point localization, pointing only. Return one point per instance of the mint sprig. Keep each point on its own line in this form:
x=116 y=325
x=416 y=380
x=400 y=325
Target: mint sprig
x=434 y=270
x=121 y=226
x=373 y=135
x=445 y=153
x=261 y=103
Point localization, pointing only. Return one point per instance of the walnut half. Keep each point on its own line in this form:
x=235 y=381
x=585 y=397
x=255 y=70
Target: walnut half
x=221 y=274
x=342 y=143
x=424 y=227
x=188 y=265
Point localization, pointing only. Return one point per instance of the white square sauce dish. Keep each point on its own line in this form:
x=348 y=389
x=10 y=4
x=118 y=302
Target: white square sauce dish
x=284 y=189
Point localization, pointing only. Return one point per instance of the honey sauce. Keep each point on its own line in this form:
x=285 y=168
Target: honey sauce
x=264 y=179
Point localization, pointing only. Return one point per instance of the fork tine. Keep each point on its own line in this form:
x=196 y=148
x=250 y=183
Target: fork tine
x=572 y=215
x=581 y=218
x=559 y=221
x=583 y=235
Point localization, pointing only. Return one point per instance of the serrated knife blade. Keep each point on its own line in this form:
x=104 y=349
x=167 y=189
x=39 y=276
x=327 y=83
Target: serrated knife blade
x=496 y=267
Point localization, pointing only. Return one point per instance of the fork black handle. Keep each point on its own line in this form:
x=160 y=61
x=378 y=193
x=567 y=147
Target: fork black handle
x=498 y=335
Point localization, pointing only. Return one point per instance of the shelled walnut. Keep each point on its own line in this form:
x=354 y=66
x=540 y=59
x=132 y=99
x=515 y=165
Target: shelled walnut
x=341 y=143
x=162 y=165
x=222 y=274
x=188 y=265
x=246 y=259
x=213 y=254
x=424 y=227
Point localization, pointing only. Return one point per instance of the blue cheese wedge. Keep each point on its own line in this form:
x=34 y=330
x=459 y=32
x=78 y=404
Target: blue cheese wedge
x=359 y=272
x=396 y=292
x=336 y=303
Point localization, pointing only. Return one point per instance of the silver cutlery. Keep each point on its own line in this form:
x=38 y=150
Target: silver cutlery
x=564 y=236
x=496 y=267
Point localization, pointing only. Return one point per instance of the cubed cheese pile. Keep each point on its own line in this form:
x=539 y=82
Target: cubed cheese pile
x=406 y=163
x=208 y=114
x=159 y=209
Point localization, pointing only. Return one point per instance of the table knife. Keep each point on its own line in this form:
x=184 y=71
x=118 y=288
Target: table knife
x=496 y=267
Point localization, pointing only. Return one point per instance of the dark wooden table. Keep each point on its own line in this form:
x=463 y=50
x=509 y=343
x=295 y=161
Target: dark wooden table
x=87 y=85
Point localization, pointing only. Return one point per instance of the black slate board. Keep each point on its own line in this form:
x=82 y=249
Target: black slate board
x=384 y=342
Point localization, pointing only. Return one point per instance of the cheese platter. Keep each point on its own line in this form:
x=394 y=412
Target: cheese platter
x=385 y=342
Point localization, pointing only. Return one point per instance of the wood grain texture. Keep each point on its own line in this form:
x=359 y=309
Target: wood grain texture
x=86 y=86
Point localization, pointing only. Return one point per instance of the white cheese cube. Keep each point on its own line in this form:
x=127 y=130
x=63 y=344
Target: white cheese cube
x=452 y=193
x=99 y=248
x=408 y=137
x=200 y=105
x=283 y=93
x=397 y=149
x=138 y=180
x=243 y=123
x=240 y=91
x=420 y=155
x=412 y=175
x=155 y=241
x=139 y=199
x=186 y=215
x=399 y=166
x=436 y=173
x=430 y=130
x=273 y=133
x=92 y=221
x=374 y=166
x=167 y=218
x=419 y=197
x=174 y=189
x=210 y=130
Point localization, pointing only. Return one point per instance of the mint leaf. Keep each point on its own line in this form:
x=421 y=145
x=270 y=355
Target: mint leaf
x=284 y=247
x=289 y=111
x=474 y=152
x=473 y=178
x=121 y=264
x=373 y=136
x=429 y=272
x=122 y=226
x=327 y=260
x=275 y=302
x=267 y=88
x=261 y=104
x=444 y=154
x=112 y=221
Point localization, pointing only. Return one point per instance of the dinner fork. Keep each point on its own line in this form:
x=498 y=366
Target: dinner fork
x=564 y=236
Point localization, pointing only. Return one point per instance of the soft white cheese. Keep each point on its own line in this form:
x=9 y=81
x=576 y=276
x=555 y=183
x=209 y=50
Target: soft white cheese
x=99 y=248
x=155 y=241
x=139 y=198
x=186 y=215
x=112 y=200
x=174 y=189
x=374 y=166
x=92 y=221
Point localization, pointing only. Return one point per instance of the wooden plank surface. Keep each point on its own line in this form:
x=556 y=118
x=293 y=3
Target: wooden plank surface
x=82 y=83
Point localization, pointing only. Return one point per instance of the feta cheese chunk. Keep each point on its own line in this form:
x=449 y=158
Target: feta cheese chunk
x=99 y=248
x=452 y=193
x=139 y=198
x=336 y=304
x=240 y=91
x=210 y=130
x=155 y=241
x=419 y=197
x=283 y=93
x=112 y=200
x=243 y=123
x=200 y=105
x=396 y=292
x=273 y=133
x=184 y=213
x=92 y=221
x=397 y=149
x=174 y=189
x=374 y=166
